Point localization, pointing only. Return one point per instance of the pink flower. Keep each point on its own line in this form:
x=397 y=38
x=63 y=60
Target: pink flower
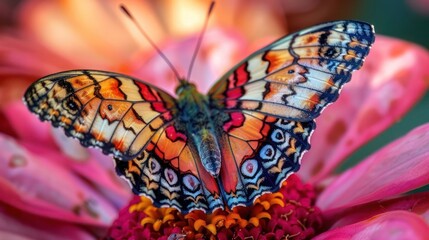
x=368 y=195
x=53 y=188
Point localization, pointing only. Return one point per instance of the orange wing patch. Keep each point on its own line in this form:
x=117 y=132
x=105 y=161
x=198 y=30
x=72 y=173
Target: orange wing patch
x=277 y=59
x=293 y=74
x=110 y=89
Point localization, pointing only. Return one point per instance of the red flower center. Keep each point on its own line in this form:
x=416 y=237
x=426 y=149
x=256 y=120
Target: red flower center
x=291 y=212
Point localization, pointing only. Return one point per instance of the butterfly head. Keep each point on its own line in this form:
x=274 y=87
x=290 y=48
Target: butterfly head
x=185 y=87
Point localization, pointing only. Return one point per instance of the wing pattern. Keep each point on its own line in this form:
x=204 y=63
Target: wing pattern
x=263 y=111
x=298 y=76
x=267 y=104
x=102 y=109
x=170 y=172
x=259 y=153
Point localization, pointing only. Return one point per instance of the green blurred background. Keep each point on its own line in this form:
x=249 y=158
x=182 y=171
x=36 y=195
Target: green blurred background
x=398 y=19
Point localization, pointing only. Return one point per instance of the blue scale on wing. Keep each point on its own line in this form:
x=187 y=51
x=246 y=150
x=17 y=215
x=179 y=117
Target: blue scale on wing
x=165 y=185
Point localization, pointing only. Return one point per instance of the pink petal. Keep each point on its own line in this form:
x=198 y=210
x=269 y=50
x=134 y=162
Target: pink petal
x=8 y=235
x=220 y=51
x=89 y=34
x=22 y=61
x=27 y=126
x=20 y=52
x=38 y=185
x=397 y=168
x=393 y=78
x=98 y=169
x=416 y=203
x=395 y=225
x=51 y=143
x=15 y=224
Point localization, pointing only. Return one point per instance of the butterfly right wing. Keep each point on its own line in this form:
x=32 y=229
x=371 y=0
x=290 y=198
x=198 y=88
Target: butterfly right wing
x=266 y=105
x=297 y=76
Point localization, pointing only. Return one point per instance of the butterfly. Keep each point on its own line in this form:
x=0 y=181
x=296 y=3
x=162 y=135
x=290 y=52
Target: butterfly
x=219 y=150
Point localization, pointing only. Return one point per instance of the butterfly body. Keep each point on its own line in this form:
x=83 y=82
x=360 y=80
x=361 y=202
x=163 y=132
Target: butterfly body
x=196 y=120
x=217 y=150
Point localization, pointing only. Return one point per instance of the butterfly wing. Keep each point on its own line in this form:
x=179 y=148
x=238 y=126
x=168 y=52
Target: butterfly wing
x=133 y=121
x=102 y=109
x=171 y=172
x=259 y=152
x=268 y=102
x=296 y=76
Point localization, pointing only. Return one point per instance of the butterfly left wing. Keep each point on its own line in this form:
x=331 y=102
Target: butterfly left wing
x=134 y=121
x=101 y=109
x=266 y=105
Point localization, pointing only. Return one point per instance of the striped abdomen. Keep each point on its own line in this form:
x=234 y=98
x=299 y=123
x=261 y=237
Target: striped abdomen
x=208 y=149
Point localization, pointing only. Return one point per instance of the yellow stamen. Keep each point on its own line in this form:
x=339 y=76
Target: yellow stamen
x=278 y=201
x=167 y=218
x=230 y=222
x=254 y=221
x=147 y=220
x=265 y=204
x=277 y=194
x=235 y=216
x=218 y=220
x=212 y=229
x=132 y=208
x=198 y=224
x=263 y=215
x=157 y=225
x=242 y=223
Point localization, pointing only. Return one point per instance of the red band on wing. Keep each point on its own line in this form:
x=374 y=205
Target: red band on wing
x=237 y=120
x=158 y=106
x=234 y=93
x=242 y=75
x=146 y=93
x=173 y=135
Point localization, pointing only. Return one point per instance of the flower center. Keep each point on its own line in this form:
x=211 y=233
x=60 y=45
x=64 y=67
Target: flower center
x=290 y=212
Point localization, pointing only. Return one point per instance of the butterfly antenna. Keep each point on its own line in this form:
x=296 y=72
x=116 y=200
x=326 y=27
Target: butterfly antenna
x=200 y=39
x=128 y=14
